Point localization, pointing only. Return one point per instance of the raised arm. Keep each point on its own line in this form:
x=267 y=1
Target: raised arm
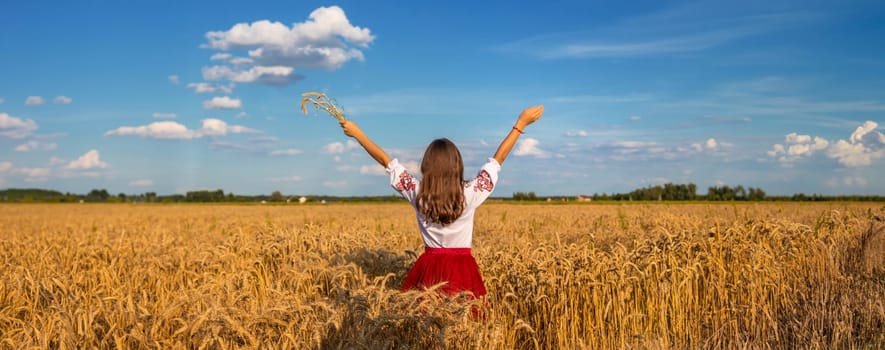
x=353 y=130
x=526 y=118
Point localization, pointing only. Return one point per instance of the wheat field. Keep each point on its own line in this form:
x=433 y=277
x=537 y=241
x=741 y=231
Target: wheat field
x=597 y=276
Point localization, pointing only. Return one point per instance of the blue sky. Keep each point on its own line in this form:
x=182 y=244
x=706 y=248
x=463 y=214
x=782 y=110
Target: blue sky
x=173 y=96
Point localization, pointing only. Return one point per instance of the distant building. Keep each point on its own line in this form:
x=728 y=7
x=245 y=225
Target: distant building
x=583 y=198
x=302 y=200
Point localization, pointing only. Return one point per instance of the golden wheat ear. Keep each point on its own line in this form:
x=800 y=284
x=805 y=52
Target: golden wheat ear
x=321 y=102
x=304 y=104
x=314 y=94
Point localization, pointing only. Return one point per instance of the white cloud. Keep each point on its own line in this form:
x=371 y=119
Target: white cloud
x=2 y=100
x=16 y=128
x=338 y=147
x=798 y=146
x=164 y=115
x=240 y=61
x=634 y=118
x=174 y=79
x=325 y=41
x=34 y=101
x=158 y=130
x=141 y=183
x=633 y=144
x=220 y=56
x=174 y=130
x=231 y=59
x=853 y=154
x=529 y=147
x=62 y=100
x=31 y=174
x=209 y=88
x=286 y=152
x=326 y=27
x=796 y=138
x=373 y=169
x=34 y=145
x=776 y=150
x=34 y=174
x=412 y=167
x=89 y=160
x=56 y=161
x=271 y=75
x=808 y=148
x=711 y=144
x=819 y=143
x=649 y=150
x=222 y=102
x=217 y=127
x=576 y=133
x=863 y=146
x=863 y=130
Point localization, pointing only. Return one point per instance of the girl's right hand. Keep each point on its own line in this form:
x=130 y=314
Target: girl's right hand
x=350 y=128
x=529 y=116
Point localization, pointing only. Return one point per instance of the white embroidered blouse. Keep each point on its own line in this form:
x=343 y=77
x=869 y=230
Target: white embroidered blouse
x=458 y=234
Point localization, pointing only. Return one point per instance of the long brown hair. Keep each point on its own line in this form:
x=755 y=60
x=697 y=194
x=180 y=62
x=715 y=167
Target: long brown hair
x=441 y=194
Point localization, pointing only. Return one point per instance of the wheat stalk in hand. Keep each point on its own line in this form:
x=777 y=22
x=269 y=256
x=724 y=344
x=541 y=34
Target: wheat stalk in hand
x=321 y=102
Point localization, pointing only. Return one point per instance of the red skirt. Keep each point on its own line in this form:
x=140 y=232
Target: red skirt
x=456 y=266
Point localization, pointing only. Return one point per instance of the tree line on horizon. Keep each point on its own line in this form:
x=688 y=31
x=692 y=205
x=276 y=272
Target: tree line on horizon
x=688 y=192
x=665 y=192
x=682 y=192
x=37 y=195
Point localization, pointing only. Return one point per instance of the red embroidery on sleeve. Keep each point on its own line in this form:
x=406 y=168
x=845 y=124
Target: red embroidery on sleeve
x=406 y=182
x=483 y=182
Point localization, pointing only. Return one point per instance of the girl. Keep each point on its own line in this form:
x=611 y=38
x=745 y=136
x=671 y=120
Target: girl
x=444 y=205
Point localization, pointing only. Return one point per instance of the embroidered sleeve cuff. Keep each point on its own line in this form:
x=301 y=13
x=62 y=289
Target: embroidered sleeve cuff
x=391 y=167
x=494 y=164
